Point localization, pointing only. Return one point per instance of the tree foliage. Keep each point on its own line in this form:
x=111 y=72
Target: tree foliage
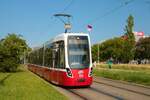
x=11 y=49
x=130 y=42
x=95 y=52
x=143 y=48
x=120 y=49
x=116 y=48
x=129 y=28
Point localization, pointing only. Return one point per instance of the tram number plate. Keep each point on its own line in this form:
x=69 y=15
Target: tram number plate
x=81 y=80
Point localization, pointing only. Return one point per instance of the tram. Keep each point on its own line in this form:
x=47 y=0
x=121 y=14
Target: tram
x=64 y=60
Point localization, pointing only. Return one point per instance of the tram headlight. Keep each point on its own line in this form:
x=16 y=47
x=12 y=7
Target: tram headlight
x=69 y=72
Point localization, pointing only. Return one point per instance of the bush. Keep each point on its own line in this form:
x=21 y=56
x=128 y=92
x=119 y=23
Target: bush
x=11 y=50
x=9 y=65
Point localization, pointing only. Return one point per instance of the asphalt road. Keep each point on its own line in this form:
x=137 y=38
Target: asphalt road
x=107 y=89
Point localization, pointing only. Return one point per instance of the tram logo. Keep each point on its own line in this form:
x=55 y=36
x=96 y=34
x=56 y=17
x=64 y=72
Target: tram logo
x=80 y=72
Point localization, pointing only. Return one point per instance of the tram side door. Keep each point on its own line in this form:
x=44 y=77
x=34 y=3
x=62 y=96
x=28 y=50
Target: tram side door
x=56 y=63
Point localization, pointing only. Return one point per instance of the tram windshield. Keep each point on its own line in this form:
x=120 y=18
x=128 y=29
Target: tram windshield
x=78 y=52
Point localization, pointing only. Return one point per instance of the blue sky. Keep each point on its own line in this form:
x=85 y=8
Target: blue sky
x=34 y=18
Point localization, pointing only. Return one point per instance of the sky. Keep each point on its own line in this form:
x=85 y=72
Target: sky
x=34 y=19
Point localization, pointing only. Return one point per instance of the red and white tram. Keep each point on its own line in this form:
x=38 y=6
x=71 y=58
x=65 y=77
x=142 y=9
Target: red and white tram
x=65 y=60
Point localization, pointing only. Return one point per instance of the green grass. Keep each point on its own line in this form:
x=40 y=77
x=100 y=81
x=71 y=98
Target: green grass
x=24 y=85
x=126 y=66
x=134 y=74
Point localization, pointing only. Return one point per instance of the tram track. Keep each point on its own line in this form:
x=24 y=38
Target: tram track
x=77 y=94
x=102 y=91
x=123 y=82
x=105 y=89
x=124 y=88
x=107 y=94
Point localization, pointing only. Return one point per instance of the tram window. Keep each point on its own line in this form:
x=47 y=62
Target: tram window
x=78 y=52
x=33 y=57
x=59 y=55
x=56 y=55
x=48 y=56
x=62 y=55
x=36 y=57
x=40 y=56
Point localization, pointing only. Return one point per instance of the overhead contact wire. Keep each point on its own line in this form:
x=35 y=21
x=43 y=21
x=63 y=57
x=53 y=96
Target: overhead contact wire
x=111 y=11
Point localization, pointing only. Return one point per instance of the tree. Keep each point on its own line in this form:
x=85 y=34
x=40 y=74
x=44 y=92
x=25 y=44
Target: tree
x=129 y=44
x=129 y=28
x=121 y=50
x=143 y=49
x=11 y=49
x=95 y=52
x=112 y=48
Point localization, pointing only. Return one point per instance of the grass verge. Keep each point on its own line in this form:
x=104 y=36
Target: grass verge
x=24 y=85
x=139 y=75
x=126 y=66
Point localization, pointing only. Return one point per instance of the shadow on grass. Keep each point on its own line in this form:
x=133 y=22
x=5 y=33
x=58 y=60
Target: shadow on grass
x=16 y=71
x=3 y=80
x=19 y=70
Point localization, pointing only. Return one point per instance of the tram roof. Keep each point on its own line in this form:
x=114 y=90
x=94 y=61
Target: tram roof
x=62 y=36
